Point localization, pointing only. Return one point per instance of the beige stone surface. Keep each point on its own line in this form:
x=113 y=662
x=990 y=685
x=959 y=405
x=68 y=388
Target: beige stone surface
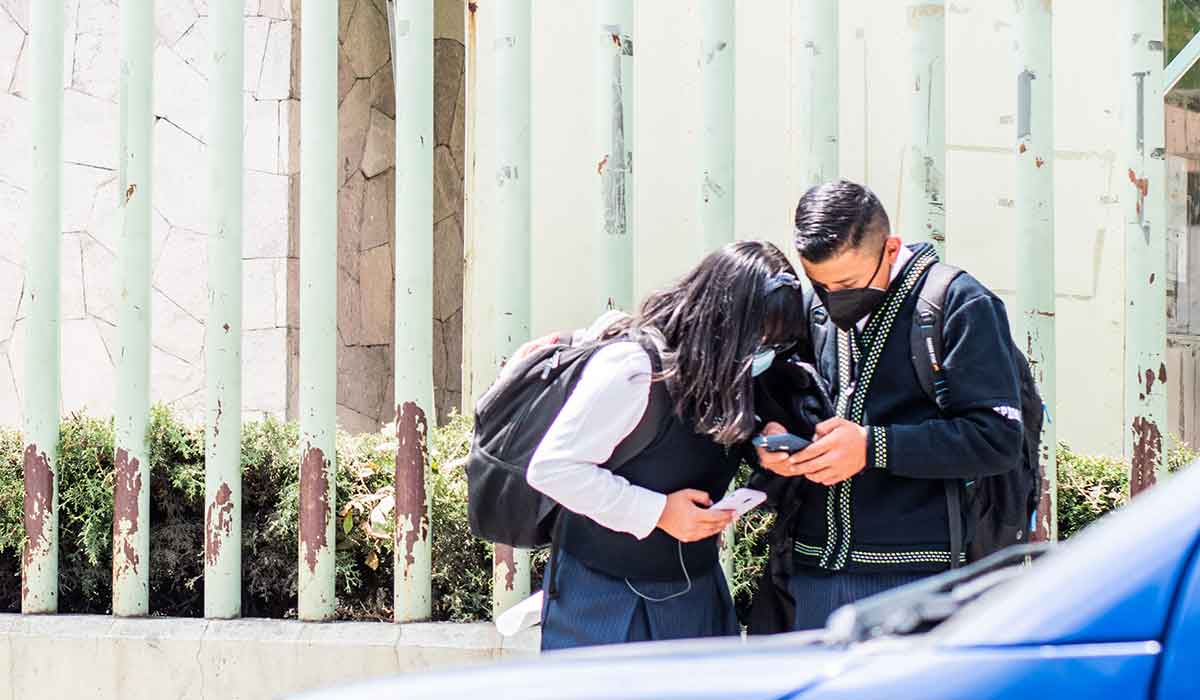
x=274 y=82
x=376 y=286
x=379 y=206
x=366 y=40
x=448 y=62
x=380 y=152
x=353 y=117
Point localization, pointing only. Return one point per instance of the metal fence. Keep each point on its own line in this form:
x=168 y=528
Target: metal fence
x=411 y=31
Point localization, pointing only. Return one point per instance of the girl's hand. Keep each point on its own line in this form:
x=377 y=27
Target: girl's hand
x=686 y=516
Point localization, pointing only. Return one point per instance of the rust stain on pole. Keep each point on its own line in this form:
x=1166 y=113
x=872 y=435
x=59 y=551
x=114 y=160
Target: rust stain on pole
x=127 y=491
x=314 y=504
x=1147 y=446
x=412 y=434
x=1041 y=531
x=39 y=490
x=218 y=523
x=504 y=555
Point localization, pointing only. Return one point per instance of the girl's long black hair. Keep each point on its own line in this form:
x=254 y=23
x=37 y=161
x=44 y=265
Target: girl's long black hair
x=711 y=323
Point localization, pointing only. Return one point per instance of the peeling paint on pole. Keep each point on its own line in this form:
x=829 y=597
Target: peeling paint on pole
x=39 y=562
x=815 y=88
x=131 y=493
x=513 y=273
x=614 y=141
x=1034 y=67
x=923 y=209
x=318 y=310
x=223 y=331
x=718 y=143
x=1144 y=210
x=412 y=64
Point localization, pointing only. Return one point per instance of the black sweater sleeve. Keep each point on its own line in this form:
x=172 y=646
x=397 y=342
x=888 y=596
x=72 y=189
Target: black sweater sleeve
x=980 y=433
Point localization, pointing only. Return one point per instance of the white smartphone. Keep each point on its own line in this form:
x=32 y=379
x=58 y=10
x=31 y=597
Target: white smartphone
x=741 y=501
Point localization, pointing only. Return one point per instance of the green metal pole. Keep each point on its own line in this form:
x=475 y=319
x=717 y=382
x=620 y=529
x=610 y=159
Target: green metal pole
x=1033 y=44
x=614 y=141
x=412 y=64
x=318 y=309
x=717 y=59
x=223 y=332
x=816 y=90
x=39 y=590
x=510 y=569
x=923 y=210
x=131 y=490
x=1143 y=153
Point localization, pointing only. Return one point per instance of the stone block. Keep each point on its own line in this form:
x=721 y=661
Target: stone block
x=362 y=373
x=448 y=66
x=346 y=77
x=350 y=212
x=174 y=330
x=94 y=68
x=16 y=131
x=447 y=185
x=265 y=370
x=12 y=42
x=19 y=11
x=291 y=299
x=193 y=47
x=1176 y=129
x=88 y=375
x=276 y=9
x=10 y=415
x=289 y=137
x=99 y=279
x=452 y=334
x=14 y=226
x=172 y=19
x=380 y=151
x=256 y=32
x=345 y=13
x=144 y=650
x=12 y=285
x=174 y=379
x=367 y=40
x=458 y=131
x=275 y=81
x=259 y=291
x=379 y=211
x=182 y=272
x=80 y=184
x=354 y=116
x=354 y=422
x=376 y=285
x=448 y=20
x=383 y=91
x=185 y=103
x=1193 y=132
x=181 y=193
x=71 y=281
x=15 y=348
x=261 y=145
x=90 y=130
x=439 y=356
x=235 y=653
x=265 y=218
x=350 y=315
x=447 y=268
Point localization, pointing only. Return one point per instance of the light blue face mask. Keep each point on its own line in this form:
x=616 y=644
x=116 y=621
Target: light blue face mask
x=763 y=359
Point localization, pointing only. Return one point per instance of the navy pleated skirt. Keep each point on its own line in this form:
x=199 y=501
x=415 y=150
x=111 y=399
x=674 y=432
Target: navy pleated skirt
x=817 y=594
x=592 y=608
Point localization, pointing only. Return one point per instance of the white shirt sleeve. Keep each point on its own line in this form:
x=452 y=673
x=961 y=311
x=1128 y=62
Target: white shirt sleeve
x=605 y=407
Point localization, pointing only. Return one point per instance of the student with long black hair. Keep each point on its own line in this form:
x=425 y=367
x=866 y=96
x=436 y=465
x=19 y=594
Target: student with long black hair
x=636 y=555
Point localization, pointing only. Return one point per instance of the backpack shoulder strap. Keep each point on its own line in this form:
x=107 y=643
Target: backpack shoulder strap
x=658 y=408
x=925 y=339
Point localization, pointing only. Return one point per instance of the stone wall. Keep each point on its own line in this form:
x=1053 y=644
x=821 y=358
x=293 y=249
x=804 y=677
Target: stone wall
x=90 y=223
x=366 y=150
x=271 y=251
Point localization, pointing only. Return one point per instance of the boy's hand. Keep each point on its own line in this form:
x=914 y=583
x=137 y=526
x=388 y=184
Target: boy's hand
x=778 y=462
x=838 y=452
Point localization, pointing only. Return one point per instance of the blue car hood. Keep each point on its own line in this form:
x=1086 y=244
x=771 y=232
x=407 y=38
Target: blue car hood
x=695 y=670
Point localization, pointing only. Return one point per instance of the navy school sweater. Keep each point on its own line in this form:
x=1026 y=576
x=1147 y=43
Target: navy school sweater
x=892 y=516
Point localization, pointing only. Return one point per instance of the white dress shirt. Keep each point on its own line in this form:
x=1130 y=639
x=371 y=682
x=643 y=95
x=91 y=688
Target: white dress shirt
x=606 y=405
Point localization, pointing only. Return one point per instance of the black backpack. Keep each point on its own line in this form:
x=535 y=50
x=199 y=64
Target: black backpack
x=1001 y=506
x=510 y=421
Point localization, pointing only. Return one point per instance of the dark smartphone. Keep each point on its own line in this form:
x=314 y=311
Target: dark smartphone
x=780 y=443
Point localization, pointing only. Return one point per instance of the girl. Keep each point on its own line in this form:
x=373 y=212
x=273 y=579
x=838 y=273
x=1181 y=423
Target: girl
x=636 y=551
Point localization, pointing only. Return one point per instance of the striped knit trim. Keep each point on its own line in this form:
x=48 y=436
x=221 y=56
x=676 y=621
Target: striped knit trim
x=877 y=448
x=923 y=556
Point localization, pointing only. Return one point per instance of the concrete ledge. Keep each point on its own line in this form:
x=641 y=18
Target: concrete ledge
x=87 y=656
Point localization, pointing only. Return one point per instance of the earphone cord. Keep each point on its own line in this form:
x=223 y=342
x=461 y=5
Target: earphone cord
x=687 y=589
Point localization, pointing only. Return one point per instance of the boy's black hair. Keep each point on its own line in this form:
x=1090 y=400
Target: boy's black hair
x=838 y=215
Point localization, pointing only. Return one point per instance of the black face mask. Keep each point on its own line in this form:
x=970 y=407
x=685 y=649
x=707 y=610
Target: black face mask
x=847 y=307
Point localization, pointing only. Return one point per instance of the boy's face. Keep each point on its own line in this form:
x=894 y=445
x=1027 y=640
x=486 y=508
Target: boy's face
x=855 y=268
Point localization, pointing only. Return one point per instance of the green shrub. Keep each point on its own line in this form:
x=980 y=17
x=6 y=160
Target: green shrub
x=1088 y=488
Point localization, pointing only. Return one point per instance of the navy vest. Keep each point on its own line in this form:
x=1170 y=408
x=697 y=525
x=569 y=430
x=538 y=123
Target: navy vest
x=679 y=458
